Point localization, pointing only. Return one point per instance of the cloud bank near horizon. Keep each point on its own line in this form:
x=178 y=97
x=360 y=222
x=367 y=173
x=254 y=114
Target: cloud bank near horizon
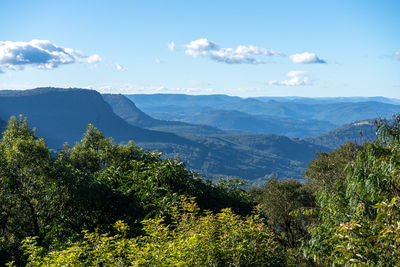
x=41 y=54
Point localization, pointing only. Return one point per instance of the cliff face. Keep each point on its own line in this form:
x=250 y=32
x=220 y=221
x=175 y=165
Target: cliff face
x=63 y=115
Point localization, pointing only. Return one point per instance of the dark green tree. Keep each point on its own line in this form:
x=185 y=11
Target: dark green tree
x=279 y=199
x=28 y=192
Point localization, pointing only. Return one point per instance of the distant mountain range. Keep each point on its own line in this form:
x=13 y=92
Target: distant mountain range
x=327 y=100
x=337 y=113
x=63 y=114
x=128 y=111
x=216 y=135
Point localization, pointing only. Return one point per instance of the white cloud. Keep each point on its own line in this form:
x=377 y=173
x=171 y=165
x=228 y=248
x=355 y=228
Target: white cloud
x=241 y=54
x=296 y=78
x=199 y=47
x=306 y=58
x=119 y=67
x=94 y=59
x=171 y=46
x=41 y=54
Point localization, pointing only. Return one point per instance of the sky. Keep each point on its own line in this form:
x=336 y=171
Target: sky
x=242 y=48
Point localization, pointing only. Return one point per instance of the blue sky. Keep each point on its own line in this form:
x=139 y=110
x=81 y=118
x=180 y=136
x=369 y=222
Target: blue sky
x=244 y=48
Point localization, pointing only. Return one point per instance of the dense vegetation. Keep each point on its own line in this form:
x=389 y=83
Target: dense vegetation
x=137 y=209
x=90 y=186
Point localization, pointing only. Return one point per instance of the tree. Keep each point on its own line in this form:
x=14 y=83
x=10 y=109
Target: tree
x=90 y=186
x=358 y=213
x=279 y=199
x=27 y=190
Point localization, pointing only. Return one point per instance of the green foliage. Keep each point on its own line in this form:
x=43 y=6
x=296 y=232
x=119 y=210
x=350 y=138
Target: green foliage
x=280 y=200
x=90 y=186
x=347 y=214
x=370 y=243
x=28 y=196
x=330 y=168
x=353 y=229
x=222 y=239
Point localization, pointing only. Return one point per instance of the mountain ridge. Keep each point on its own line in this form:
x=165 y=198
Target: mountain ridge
x=336 y=113
x=127 y=110
x=63 y=115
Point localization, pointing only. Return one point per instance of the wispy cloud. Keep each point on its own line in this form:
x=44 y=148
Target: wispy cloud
x=148 y=89
x=296 y=78
x=239 y=55
x=171 y=46
x=119 y=67
x=94 y=59
x=159 y=61
x=396 y=55
x=41 y=54
x=306 y=58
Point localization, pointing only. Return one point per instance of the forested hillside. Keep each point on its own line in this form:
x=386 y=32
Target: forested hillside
x=242 y=155
x=128 y=111
x=136 y=209
x=236 y=121
x=357 y=132
x=2 y=125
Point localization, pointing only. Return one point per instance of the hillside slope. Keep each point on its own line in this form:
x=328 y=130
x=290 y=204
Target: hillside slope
x=62 y=115
x=236 y=121
x=356 y=132
x=247 y=156
x=2 y=126
x=128 y=111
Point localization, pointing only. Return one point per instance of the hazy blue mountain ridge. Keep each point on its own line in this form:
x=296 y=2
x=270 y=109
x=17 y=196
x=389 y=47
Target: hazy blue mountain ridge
x=337 y=113
x=63 y=114
x=327 y=100
x=128 y=111
x=231 y=120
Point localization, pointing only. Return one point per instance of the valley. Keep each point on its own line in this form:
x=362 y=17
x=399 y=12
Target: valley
x=217 y=143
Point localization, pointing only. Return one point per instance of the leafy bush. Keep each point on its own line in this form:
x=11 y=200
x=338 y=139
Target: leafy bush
x=359 y=213
x=222 y=239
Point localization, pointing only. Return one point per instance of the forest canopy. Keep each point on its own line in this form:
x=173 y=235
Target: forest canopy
x=99 y=203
